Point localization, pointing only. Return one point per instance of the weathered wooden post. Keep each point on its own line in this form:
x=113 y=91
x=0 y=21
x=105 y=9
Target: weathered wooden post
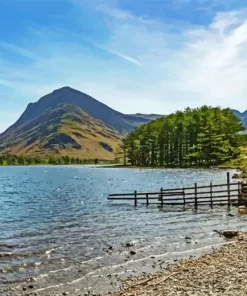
x=161 y=197
x=211 y=195
x=184 y=198
x=147 y=199
x=228 y=191
x=239 y=193
x=135 y=198
x=196 y=197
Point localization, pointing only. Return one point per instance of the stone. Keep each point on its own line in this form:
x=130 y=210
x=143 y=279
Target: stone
x=129 y=245
x=188 y=239
x=229 y=233
x=132 y=253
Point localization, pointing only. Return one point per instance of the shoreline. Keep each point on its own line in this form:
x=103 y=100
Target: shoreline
x=121 y=166
x=222 y=272
x=160 y=274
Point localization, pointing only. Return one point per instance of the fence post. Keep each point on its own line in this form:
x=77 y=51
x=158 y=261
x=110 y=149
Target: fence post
x=147 y=199
x=211 y=195
x=196 y=197
x=161 y=196
x=184 y=198
x=239 y=193
x=135 y=198
x=228 y=191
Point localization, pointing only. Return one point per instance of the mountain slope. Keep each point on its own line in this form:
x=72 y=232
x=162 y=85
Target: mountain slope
x=63 y=130
x=67 y=95
x=68 y=122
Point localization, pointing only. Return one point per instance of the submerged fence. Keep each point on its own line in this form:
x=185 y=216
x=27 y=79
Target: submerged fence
x=228 y=194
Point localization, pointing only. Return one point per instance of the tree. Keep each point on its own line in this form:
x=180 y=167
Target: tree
x=37 y=160
x=52 y=160
x=21 y=160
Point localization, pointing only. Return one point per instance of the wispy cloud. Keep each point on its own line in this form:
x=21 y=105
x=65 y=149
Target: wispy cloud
x=114 y=12
x=18 y=50
x=119 y=54
x=6 y=83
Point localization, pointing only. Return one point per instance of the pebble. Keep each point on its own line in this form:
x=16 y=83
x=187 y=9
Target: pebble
x=132 y=253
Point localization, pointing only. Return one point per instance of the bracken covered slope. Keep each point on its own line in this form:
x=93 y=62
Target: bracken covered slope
x=68 y=122
x=63 y=130
x=66 y=95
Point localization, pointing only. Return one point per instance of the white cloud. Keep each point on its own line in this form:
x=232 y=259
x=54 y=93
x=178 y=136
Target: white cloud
x=204 y=65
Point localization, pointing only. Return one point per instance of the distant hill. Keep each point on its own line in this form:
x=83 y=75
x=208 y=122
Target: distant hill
x=148 y=117
x=241 y=116
x=68 y=122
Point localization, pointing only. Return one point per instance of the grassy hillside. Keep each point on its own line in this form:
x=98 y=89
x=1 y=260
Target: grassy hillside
x=64 y=130
x=66 y=95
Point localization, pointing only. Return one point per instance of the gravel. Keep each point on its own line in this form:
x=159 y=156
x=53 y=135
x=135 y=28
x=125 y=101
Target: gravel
x=223 y=272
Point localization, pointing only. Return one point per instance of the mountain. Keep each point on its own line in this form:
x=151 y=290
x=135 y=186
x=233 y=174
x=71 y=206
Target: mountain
x=68 y=122
x=67 y=95
x=241 y=116
x=64 y=130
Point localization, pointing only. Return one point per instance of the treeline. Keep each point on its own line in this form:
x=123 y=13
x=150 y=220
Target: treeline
x=204 y=136
x=63 y=160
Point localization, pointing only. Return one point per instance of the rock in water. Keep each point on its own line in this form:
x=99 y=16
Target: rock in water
x=188 y=239
x=129 y=245
x=132 y=253
x=229 y=233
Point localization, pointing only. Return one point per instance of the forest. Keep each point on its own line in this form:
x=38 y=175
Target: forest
x=200 y=137
x=9 y=159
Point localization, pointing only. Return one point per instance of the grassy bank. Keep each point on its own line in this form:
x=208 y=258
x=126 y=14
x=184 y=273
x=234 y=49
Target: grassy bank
x=239 y=163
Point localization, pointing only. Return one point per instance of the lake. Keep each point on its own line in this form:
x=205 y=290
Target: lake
x=56 y=223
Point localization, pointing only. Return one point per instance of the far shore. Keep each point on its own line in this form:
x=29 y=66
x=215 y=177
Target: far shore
x=122 y=166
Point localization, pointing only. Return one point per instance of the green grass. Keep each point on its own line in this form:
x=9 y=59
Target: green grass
x=239 y=163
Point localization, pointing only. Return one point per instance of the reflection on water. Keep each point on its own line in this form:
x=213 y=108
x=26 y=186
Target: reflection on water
x=51 y=218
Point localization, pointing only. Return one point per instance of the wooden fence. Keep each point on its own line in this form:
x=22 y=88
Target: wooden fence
x=227 y=194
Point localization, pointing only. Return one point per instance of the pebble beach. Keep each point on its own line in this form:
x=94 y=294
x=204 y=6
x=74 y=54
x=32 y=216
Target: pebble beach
x=223 y=272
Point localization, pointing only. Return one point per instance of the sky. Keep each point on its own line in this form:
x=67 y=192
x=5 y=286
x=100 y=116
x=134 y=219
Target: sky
x=148 y=56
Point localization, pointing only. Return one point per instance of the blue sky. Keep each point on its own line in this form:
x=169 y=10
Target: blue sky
x=150 y=56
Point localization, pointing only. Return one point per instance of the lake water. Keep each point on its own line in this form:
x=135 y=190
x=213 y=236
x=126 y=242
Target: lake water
x=56 y=222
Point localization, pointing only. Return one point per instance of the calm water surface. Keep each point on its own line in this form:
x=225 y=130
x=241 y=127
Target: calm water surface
x=57 y=217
